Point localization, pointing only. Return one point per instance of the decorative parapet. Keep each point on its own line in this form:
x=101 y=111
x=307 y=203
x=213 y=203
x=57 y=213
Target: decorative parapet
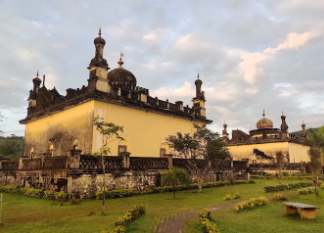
x=93 y=163
x=144 y=163
x=10 y=165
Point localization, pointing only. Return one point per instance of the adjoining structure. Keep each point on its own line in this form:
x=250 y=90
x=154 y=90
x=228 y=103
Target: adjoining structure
x=55 y=124
x=260 y=144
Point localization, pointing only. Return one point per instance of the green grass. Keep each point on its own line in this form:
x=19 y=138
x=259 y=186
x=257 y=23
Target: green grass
x=26 y=214
x=270 y=218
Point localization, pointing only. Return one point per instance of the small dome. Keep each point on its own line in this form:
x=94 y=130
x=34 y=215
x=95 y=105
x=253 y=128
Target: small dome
x=198 y=81
x=37 y=80
x=121 y=77
x=99 y=39
x=264 y=123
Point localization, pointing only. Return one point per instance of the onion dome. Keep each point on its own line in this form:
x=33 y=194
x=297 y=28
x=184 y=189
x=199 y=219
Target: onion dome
x=198 y=81
x=37 y=81
x=303 y=124
x=99 y=39
x=283 y=116
x=264 y=123
x=224 y=125
x=121 y=77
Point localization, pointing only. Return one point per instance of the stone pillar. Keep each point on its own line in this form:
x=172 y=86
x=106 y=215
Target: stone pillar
x=20 y=163
x=125 y=156
x=74 y=161
x=169 y=157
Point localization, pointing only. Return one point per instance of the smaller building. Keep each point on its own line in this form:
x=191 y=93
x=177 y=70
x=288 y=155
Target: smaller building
x=260 y=144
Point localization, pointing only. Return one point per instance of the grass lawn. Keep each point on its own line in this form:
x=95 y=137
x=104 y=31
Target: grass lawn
x=269 y=218
x=26 y=214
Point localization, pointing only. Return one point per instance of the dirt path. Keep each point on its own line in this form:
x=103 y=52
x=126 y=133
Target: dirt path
x=176 y=224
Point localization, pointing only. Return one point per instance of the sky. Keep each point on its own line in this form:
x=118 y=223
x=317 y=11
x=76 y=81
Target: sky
x=251 y=55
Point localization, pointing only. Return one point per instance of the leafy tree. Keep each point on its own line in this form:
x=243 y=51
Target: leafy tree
x=110 y=133
x=315 y=164
x=279 y=161
x=8 y=148
x=204 y=144
x=316 y=139
x=1 y=119
x=174 y=177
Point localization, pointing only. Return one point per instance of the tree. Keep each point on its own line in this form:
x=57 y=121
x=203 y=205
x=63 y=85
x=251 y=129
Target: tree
x=174 y=177
x=199 y=150
x=314 y=154
x=316 y=139
x=279 y=160
x=8 y=148
x=110 y=133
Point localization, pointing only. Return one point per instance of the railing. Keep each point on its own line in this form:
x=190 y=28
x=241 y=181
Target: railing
x=139 y=163
x=56 y=162
x=90 y=162
x=32 y=164
x=10 y=165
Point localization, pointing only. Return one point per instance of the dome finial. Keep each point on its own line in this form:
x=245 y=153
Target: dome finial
x=99 y=32
x=263 y=113
x=198 y=76
x=120 y=62
x=37 y=74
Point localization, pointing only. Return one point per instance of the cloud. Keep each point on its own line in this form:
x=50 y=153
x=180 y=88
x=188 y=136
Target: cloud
x=249 y=67
x=251 y=90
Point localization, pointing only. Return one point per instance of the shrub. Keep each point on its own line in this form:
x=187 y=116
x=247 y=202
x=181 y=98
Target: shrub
x=118 y=229
x=250 y=204
x=61 y=196
x=49 y=195
x=206 y=225
x=236 y=195
x=308 y=190
x=322 y=186
x=132 y=214
x=204 y=213
x=228 y=197
x=279 y=197
x=283 y=187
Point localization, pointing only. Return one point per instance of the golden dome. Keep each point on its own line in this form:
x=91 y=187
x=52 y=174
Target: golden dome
x=264 y=123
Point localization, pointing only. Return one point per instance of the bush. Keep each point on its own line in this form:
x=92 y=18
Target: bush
x=236 y=195
x=250 y=204
x=228 y=197
x=61 y=196
x=49 y=195
x=206 y=225
x=322 y=186
x=118 y=229
x=279 y=197
x=132 y=215
x=308 y=190
x=283 y=187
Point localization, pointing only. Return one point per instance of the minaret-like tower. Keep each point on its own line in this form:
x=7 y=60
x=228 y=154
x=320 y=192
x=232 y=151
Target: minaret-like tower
x=304 y=133
x=224 y=132
x=33 y=94
x=284 y=127
x=199 y=100
x=98 y=78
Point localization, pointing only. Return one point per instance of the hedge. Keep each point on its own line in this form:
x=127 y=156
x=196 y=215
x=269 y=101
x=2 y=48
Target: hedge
x=122 y=222
x=32 y=192
x=134 y=192
x=283 y=187
x=251 y=203
x=290 y=177
x=204 y=220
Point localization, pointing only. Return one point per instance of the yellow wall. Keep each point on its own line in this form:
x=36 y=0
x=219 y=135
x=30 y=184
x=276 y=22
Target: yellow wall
x=64 y=127
x=144 y=131
x=297 y=152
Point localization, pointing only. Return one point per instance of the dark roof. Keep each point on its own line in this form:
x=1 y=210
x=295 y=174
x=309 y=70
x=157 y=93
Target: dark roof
x=122 y=77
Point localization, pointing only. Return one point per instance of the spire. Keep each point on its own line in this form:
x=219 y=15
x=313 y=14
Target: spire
x=120 y=62
x=263 y=113
x=198 y=76
x=44 y=80
x=99 y=32
x=98 y=60
x=225 y=134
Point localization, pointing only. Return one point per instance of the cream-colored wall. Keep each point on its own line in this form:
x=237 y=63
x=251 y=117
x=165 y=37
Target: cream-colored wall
x=64 y=127
x=298 y=153
x=246 y=151
x=144 y=131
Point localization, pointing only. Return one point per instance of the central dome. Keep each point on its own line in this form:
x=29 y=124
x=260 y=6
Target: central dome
x=121 y=77
x=264 y=123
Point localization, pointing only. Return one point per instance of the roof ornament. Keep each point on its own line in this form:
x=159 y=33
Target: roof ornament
x=44 y=80
x=37 y=74
x=99 y=32
x=120 y=62
x=198 y=76
x=263 y=113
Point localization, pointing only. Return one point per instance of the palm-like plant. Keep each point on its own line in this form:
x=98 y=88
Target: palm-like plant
x=316 y=139
x=174 y=177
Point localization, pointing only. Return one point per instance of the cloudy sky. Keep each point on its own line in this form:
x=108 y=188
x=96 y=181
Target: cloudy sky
x=251 y=55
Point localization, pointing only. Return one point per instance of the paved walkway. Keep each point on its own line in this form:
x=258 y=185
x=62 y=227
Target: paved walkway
x=176 y=224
